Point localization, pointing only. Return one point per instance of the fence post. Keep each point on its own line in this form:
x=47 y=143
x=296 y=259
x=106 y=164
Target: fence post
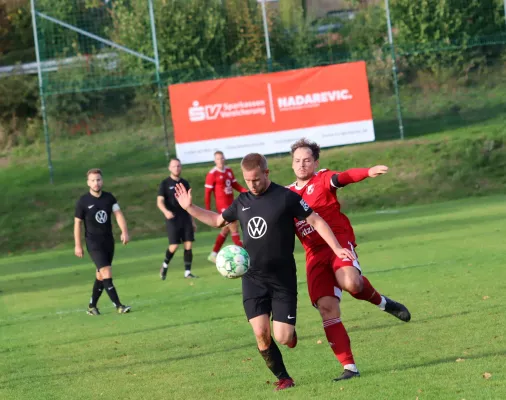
x=41 y=93
x=394 y=69
x=266 y=33
x=158 y=79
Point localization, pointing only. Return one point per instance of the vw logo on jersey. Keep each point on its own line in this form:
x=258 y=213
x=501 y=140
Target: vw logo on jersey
x=101 y=217
x=310 y=189
x=257 y=227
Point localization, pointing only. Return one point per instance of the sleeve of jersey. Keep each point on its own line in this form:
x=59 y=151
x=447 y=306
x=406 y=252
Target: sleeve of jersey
x=230 y=214
x=160 y=190
x=209 y=185
x=207 y=198
x=115 y=205
x=79 y=212
x=297 y=206
x=354 y=175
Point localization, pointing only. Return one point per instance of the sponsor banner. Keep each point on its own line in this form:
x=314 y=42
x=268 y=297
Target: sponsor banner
x=266 y=113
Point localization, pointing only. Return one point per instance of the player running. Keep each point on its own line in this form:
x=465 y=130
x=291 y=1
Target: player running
x=269 y=288
x=95 y=208
x=326 y=274
x=221 y=181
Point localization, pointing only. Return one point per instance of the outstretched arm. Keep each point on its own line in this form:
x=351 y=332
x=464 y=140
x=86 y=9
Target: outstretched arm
x=184 y=197
x=355 y=175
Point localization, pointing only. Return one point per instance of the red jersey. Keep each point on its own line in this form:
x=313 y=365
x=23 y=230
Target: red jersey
x=320 y=194
x=222 y=183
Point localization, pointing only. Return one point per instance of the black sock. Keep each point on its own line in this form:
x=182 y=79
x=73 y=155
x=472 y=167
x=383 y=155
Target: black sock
x=168 y=256
x=188 y=258
x=98 y=287
x=111 y=291
x=274 y=360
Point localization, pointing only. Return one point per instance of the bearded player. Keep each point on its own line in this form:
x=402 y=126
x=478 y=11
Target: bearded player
x=328 y=275
x=221 y=181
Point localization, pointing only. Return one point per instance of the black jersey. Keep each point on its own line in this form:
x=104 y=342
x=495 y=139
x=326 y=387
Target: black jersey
x=96 y=213
x=267 y=223
x=167 y=190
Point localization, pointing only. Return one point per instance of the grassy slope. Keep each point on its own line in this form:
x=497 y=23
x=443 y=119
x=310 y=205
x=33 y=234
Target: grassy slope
x=459 y=163
x=189 y=340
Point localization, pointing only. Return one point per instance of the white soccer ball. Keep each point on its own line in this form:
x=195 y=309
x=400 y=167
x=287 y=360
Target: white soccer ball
x=232 y=261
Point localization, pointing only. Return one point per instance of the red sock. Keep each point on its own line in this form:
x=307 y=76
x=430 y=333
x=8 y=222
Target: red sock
x=220 y=239
x=368 y=293
x=236 y=238
x=339 y=340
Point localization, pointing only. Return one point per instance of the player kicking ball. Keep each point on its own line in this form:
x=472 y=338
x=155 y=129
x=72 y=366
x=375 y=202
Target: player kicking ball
x=95 y=208
x=221 y=181
x=326 y=274
x=269 y=288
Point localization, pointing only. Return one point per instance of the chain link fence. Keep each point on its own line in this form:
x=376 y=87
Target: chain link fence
x=105 y=64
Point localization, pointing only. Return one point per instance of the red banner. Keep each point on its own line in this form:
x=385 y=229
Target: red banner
x=264 y=113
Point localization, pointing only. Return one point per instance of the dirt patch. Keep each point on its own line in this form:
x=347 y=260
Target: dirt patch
x=58 y=226
x=4 y=162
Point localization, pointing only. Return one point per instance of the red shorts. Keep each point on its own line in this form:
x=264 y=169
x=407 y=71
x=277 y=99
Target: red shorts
x=222 y=206
x=321 y=266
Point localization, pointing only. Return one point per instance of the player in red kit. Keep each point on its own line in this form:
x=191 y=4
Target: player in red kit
x=222 y=182
x=327 y=275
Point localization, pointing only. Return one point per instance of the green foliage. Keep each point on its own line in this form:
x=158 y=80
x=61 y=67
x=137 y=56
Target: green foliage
x=18 y=105
x=16 y=44
x=425 y=28
x=438 y=43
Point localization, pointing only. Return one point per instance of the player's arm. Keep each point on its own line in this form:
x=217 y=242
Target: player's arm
x=320 y=226
x=78 y=249
x=79 y=215
x=160 y=203
x=355 y=175
x=209 y=185
x=207 y=197
x=184 y=197
x=121 y=220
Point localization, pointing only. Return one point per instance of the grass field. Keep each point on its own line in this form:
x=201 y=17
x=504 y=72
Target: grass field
x=189 y=339
x=455 y=164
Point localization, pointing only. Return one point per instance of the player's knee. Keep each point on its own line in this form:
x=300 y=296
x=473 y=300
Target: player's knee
x=173 y=248
x=329 y=307
x=353 y=284
x=225 y=231
x=284 y=337
x=263 y=336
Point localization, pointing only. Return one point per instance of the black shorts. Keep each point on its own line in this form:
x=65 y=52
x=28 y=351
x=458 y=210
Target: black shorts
x=180 y=229
x=261 y=297
x=101 y=254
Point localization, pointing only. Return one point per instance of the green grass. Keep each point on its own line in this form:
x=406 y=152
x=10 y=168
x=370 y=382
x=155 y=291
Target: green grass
x=455 y=164
x=188 y=340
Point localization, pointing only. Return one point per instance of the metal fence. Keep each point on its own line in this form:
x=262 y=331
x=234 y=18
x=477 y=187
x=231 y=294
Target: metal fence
x=103 y=65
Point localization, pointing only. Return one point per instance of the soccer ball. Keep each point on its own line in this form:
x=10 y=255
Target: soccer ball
x=232 y=261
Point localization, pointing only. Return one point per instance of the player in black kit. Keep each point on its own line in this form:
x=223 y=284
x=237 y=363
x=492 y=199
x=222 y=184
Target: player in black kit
x=180 y=225
x=95 y=209
x=266 y=214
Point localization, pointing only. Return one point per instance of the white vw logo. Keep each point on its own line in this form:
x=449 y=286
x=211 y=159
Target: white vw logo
x=257 y=227
x=101 y=217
